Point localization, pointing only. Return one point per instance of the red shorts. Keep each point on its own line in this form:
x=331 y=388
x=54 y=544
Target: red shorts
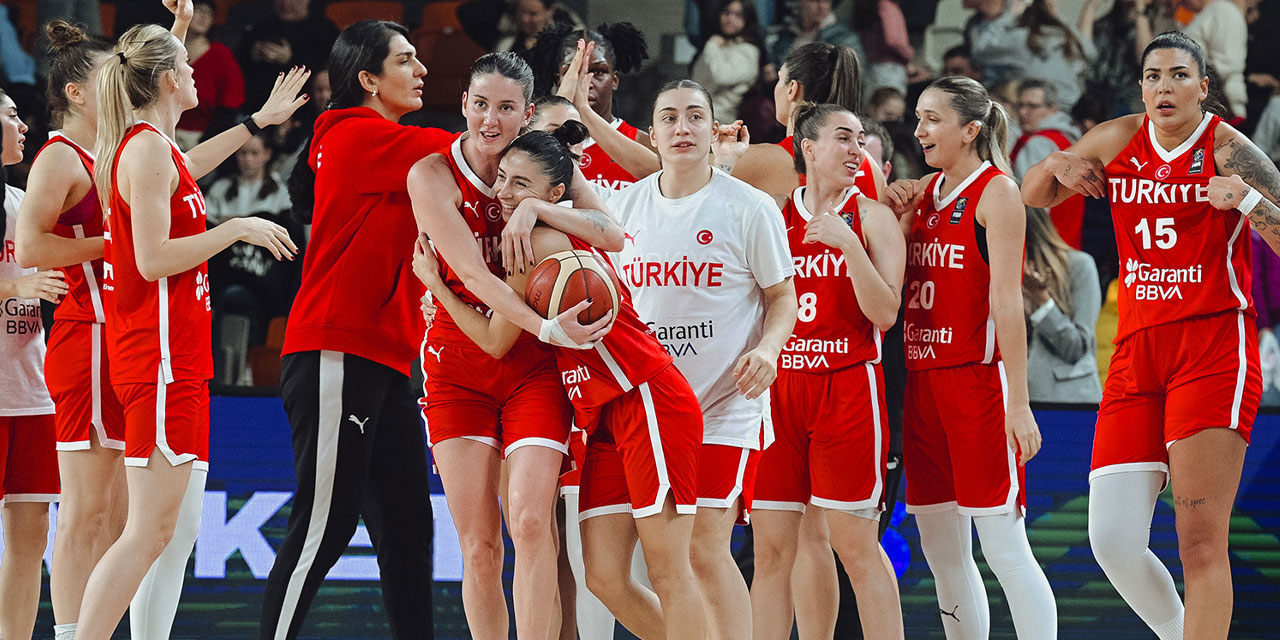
x=644 y=444
x=1171 y=381
x=954 y=446
x=725 y=474
x=76 y=370
x=507 y=404
x=28 y=459
x=173 y=418
x=570 y=480
x=832 y=442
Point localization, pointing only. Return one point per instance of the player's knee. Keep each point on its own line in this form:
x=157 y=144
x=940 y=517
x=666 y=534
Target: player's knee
x=607 y=582
x=27 y=541
x=82 y=519
x=1202 y=548
x=774 y=552
x=482 y=557
x=1114 y=543
x=530 y=526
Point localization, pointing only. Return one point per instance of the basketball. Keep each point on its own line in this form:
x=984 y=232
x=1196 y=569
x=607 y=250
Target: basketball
x=564 y=279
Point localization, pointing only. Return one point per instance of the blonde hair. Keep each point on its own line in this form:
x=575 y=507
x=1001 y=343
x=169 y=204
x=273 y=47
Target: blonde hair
x=1048 y=254
x=971 y=100
x=129 y=82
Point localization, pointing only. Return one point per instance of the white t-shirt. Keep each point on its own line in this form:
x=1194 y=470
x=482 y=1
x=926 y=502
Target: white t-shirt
x=21 y=332
x=220 y=206
x=696 y=267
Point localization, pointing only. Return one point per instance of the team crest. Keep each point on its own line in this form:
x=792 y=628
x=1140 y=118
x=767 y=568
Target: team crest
x=584 y=161
x=1197 y=161
x=957 y=212
x=493 y=212
x=933 y=221
x=1163 y=172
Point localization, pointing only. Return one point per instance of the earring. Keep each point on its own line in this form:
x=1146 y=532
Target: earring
x=375 y=93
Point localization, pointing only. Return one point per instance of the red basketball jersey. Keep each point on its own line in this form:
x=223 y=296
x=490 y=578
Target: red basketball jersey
x=948 y=317
x=831 y=331
x=83 y=302
x=599 y=168
x=865 y=181
x=483 y=214
x=627 y=356
x=1179 y=256
x=156 y=331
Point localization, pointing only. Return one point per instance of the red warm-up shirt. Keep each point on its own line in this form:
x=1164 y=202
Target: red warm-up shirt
x=358 y=293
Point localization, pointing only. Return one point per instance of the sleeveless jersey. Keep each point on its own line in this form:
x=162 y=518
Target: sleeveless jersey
x=1179 y=256
x=162 y=326
x=865 y=181
x=1068 y=216
x=599 y=168
x=83 y=302
x=627 y=356
x=483 y=214
x=831 y=331
x=948 y=316
x=21 y=331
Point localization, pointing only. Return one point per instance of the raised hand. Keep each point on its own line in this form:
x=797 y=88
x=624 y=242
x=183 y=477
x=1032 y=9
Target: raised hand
x=284 y=98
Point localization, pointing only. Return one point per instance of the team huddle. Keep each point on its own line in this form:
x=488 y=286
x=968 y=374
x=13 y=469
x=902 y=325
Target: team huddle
x=730 y=373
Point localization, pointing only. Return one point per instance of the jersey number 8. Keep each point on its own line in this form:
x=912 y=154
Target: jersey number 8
x=808 y=307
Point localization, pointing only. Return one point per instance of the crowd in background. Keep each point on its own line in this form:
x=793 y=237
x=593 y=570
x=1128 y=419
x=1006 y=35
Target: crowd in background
x=1057 y=77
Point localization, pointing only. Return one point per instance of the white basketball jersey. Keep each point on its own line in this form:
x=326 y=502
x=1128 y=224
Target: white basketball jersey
x=22 y=388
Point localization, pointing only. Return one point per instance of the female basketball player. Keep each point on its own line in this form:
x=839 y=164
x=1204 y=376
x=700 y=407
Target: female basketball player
x=28 y=464
x=619 y=49
x=623 y=390
x=479 y=409
x=828 y=402
x=706 y=258
x=157 y=288
x=968 y=429
x=1184 y=384
x=357 y=439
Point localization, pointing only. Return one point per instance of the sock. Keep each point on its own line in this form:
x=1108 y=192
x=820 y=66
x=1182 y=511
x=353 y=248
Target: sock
x=1171 y=630
x=1005 y=547
x=68 y=631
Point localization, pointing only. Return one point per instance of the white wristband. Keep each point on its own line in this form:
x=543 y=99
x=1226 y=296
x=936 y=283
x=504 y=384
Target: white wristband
x=552 y=333
x=1250 y=201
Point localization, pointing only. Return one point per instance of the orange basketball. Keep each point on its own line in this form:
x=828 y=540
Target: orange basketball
x=564 y=279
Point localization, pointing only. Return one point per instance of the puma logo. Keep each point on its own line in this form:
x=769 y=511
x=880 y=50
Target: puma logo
x=951 y=613
x=475 y=208
x=630 y=237
x=435 y=351
x=359 y=423
x=1137 y=164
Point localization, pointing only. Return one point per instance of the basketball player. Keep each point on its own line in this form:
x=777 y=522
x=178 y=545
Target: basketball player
x=832 y=435
x=706 y=259
x=348 y=351
x=28 y=464
x=1184 y=384
x=478 y=409
x=968 y=428
x=645 y=425
x=157 y=304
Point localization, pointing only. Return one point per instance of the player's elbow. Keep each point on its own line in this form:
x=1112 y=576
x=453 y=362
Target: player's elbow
x=613 y=240
x=496 y=349
x=24 y=251
x=149 y=270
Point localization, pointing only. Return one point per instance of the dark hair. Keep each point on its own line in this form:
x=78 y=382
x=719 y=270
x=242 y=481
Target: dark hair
x=751 y=32
x=683 y=84
x=363 y=46
x=621 y=43
x=971 y=100
x=809 y=120
x=883 y=95
x=874 y=129
x=507 y=64
x=71 y=52
x=827 y=73
x=1050 y=92
x=268 y=186
x=1091 y=106
x=1036 y=18
x=546 y=102
x=958 y=51
x=1216 y=102
x=550 y=149
x=866 y=15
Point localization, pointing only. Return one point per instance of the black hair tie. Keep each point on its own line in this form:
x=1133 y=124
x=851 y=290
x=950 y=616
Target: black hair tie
x=121 y=56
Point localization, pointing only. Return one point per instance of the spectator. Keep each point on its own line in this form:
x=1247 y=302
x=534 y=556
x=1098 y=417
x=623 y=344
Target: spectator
x=887 y=104
x=958 y=61
x=1006 y=93
x=18 y=65
x=253 y=189
x=1062 y=302
x=994 y=39
x=290 y=36
x=527 y=18
x=1262 y=63
x=883 y=31
x=219 y=84
x=1220 y=27
x=700 y=18
x=1114 y=72
x=1046 y=129
x=814 y=21
x=729 y=62
x=1058 y=55
x=879 y=147
x=1266 y=299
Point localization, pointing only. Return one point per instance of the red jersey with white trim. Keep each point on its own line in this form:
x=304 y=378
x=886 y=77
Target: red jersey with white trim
x=948 y=317
x=601 y=169
x=865 y=180
x=627 y=356
x=482 y=213
x=83 y=302
x=831 y=331
x=1179 y=256
x=162 y=326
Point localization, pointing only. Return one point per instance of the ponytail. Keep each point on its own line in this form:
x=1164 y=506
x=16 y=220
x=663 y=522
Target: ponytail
x=125 y=84
x=971 y=100
x=827 y=73
x=993 y=139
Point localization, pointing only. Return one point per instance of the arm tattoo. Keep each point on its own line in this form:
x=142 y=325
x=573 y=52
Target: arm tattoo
x=1248 y=162
x=725 y=167
x=595 y=217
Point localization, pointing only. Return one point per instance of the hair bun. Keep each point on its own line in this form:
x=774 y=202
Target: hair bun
x=63 y=34
x=570 y=133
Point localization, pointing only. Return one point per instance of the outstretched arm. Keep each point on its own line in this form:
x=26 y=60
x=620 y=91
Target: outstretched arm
x=281 y=104
x=183 y=11
x=1255 y=175
x=638 y=159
